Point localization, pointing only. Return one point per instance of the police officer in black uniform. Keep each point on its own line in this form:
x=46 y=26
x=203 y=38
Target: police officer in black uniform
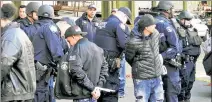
x=112 y=37
x=31 y=11
x=191 y=50
x=47 y=50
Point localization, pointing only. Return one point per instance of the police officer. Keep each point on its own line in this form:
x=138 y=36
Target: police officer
x=31 y=11
x=48 y=51
x=17 y=60
x=21 y=13
x=191 y=50
x=88 y=22
x=169 y=48
x=112 y=38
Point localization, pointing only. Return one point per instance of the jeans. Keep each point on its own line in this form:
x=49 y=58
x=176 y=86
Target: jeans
x=85 y=100
x=122 y=77
x=51 y=89
x=150 y=90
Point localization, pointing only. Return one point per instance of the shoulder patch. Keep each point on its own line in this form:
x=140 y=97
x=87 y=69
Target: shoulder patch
x=53 y=28
x=169 y=29
x=72 y=58
x=123 y=27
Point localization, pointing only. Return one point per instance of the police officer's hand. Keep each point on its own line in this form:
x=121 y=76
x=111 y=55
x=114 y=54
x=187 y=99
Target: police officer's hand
x=96 y=93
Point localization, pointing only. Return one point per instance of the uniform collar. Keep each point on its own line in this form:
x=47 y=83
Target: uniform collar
x=85 y=17
x=163 y=17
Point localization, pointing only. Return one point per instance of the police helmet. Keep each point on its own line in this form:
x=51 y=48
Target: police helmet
x=46 y=11
x=165 y=5
x=185 y=15
x=32 y=6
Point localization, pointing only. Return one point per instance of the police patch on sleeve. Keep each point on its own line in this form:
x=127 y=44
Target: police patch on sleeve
x=169 y=29
x=64 y=66
x=122 y=26
x=53 y=28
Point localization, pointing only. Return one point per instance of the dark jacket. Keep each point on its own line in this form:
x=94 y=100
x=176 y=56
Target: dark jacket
x=142 y=53
x=47 y=43
x=88 y=68
x=29 y=28
x=113 y=36
x=88 y=26
x=18 y=80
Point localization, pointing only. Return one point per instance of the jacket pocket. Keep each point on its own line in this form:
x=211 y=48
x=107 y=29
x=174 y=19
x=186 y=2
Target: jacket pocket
x=76 y=89
x=7 y=88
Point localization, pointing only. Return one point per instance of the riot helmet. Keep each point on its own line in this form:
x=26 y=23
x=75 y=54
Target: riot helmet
x=32 y=7
x=185 y=19
x=166 y=6
x=46 y=11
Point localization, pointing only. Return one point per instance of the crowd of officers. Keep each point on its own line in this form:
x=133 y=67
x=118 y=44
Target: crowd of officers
x=83 y=56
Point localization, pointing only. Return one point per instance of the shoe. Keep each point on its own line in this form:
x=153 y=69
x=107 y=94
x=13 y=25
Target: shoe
x=187 y=100
x=121 y=96
x=182 y=101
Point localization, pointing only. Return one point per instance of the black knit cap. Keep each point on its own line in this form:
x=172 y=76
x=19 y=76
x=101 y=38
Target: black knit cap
x=8 y=11
x=146 y=20
x=74 y=30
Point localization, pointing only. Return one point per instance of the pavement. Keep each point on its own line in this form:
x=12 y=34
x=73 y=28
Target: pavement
x=200 y=91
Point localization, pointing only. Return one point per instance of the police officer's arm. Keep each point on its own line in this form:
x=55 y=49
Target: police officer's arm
x=121 y=35
x=53 y=43
x=30 y=30
x=103 y=73
x=173 y=43
x=130 y=52
x=10 y=54
x=64 y=45
x=77 y=72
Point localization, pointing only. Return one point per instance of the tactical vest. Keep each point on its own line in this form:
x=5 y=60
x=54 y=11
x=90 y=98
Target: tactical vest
x=105 y=39
x=188 y=37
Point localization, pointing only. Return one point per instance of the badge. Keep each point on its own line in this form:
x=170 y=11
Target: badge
x=64 y=66
x=84 y=22
x=72 y=58
x=123 y=27
x=169 y=29
x=53 y=28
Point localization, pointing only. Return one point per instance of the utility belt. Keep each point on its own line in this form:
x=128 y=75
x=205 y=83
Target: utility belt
x=44 y=72
x=176 y=62
x=189 y=58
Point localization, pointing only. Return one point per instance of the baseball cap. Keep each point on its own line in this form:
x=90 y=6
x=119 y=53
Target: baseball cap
x=68 y=20
x=127 y=12
x=114 y=10
x=74 y=30
x=91 y=6
x=146 y=20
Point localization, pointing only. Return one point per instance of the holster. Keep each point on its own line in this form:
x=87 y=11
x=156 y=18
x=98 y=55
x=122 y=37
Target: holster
x=114 y=64
x=43 y=72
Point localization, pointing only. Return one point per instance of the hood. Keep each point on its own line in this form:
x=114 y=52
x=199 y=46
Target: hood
x=84 y=16
x=9 y=26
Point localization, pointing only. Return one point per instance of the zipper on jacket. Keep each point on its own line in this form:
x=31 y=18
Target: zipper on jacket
x=152 y=50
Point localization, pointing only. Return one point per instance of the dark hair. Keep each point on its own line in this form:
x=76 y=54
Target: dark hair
x=22 y=6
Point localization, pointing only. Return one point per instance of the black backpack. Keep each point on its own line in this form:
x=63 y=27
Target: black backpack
x=207 y=63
